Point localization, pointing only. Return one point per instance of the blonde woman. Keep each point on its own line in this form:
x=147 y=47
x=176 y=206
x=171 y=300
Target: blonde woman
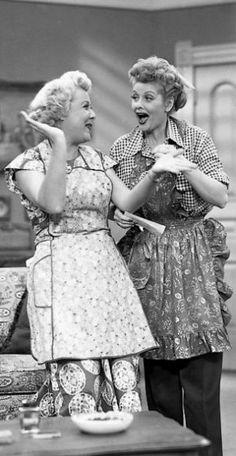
x=87 y=323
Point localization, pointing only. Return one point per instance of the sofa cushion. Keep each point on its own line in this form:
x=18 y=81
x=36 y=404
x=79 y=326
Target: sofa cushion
x=20 y=374
x=9 y=405
x=12 y=288
x=20 y=379
x=18 y=340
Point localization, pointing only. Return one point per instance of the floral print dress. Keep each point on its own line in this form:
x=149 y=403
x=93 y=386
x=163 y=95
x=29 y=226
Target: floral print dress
x=82 y=303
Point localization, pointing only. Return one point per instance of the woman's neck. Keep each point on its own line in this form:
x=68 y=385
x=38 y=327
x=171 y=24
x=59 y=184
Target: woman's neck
x=157 y=136
x=72 y=151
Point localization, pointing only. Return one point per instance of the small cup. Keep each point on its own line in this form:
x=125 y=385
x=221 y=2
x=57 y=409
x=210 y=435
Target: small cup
x=29 y=419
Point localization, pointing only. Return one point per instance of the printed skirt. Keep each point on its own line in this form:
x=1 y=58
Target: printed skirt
x=74 y=386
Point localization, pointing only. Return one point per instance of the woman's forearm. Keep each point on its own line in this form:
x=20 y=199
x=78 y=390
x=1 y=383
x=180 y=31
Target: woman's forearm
x=51 y=195
x=209 y=189
x=131 y=200
x=140 y=193
x=46 y=191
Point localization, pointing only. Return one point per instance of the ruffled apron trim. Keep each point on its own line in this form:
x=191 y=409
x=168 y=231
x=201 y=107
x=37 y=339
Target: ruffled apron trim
x=190 y=345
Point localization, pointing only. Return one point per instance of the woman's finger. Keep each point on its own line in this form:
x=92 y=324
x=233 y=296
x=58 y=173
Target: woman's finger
x=34 y=124
x=25 y=115
x=167 y=149
x=122 y=219
x=184 y=162
x=43 y=128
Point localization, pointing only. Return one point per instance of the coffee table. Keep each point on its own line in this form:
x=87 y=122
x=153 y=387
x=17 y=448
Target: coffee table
x=150 y=434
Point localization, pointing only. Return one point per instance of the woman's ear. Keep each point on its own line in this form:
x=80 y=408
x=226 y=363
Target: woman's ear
x=169 y=103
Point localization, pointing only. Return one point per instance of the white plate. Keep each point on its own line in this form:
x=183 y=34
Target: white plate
x=103 y=423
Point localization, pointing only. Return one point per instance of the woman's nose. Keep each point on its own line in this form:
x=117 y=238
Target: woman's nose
x=138 y=103
x=92 y=114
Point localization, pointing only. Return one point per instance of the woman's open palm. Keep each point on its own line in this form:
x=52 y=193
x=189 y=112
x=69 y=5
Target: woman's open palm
x=53 y=134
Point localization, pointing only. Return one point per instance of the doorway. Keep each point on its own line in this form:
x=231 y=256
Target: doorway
x=212 y=70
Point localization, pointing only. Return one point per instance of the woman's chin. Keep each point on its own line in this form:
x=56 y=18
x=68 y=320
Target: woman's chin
x=84 y=139
x=143 y=126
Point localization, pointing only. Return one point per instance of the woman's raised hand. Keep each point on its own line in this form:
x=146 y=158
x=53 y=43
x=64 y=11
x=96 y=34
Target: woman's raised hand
x=53 y=134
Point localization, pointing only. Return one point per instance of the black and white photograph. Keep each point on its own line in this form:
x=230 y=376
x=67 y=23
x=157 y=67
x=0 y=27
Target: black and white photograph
x=117 y=227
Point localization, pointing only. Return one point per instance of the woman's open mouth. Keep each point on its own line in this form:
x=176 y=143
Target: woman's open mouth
x=89 y=126
x=142 y=117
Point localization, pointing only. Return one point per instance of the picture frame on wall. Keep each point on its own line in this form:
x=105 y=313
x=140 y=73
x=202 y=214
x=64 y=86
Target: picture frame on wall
x=5 y=208
x=16 y=237
x=15 y=135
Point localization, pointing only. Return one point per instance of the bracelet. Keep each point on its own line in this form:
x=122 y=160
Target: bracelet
x=151 y=175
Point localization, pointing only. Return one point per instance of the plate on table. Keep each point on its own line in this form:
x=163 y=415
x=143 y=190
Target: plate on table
x=102 y=422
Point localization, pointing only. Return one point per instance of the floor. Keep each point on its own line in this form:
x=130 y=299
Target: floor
x=228 y=412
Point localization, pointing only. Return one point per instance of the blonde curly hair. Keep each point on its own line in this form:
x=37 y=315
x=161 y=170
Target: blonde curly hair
x=53 y=101
x=156 y=69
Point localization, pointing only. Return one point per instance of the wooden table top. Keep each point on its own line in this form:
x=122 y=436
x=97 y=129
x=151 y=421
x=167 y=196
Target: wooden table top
x=149 y=434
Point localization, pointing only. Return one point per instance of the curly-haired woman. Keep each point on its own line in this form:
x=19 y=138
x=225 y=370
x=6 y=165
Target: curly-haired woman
x=87 y=323
x=179 y=275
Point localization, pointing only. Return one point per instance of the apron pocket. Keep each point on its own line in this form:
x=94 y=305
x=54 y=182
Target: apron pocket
x=40 y=280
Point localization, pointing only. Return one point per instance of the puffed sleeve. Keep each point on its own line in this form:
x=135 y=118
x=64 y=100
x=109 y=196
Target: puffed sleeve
x=28 y=160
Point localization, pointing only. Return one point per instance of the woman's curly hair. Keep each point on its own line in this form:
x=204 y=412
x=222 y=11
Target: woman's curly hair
x=160 y=70
x=53 y=101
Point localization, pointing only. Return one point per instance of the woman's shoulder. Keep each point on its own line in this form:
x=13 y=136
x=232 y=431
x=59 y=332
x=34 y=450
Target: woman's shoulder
x=184 y=126
x=129 y=142
x=128 y=137
x=96 y=159
x=89 y=153
x=194 y=138
x=190 y=130
x=41 y=151
x=38 y=153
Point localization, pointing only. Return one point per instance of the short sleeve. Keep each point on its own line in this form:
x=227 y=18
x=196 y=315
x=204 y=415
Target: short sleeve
x=108 y=162
x=29 y=160
x=209 y=162
x=117 y=150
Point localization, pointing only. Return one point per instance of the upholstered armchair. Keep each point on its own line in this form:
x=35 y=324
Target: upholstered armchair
x=20 y=375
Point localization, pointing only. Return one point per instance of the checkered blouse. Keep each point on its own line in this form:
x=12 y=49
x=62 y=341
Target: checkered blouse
x=198 y=147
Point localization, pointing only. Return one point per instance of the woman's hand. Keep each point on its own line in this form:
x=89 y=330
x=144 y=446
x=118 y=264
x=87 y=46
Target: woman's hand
x=166 y=149
x=122 y=220
x=172 y=161
x=55 y=135
x=47 y=190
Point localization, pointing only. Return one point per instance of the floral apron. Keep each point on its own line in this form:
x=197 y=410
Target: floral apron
x=179 y=275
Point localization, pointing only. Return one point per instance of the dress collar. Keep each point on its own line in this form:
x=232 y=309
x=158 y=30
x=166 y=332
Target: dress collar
x=136 y=138
x=173 y=135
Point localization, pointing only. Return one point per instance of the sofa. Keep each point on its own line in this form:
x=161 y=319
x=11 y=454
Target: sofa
x=20 y=374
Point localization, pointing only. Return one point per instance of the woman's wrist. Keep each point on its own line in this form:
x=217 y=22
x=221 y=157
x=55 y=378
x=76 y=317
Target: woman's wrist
x=152 y=175
x=111 y=212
